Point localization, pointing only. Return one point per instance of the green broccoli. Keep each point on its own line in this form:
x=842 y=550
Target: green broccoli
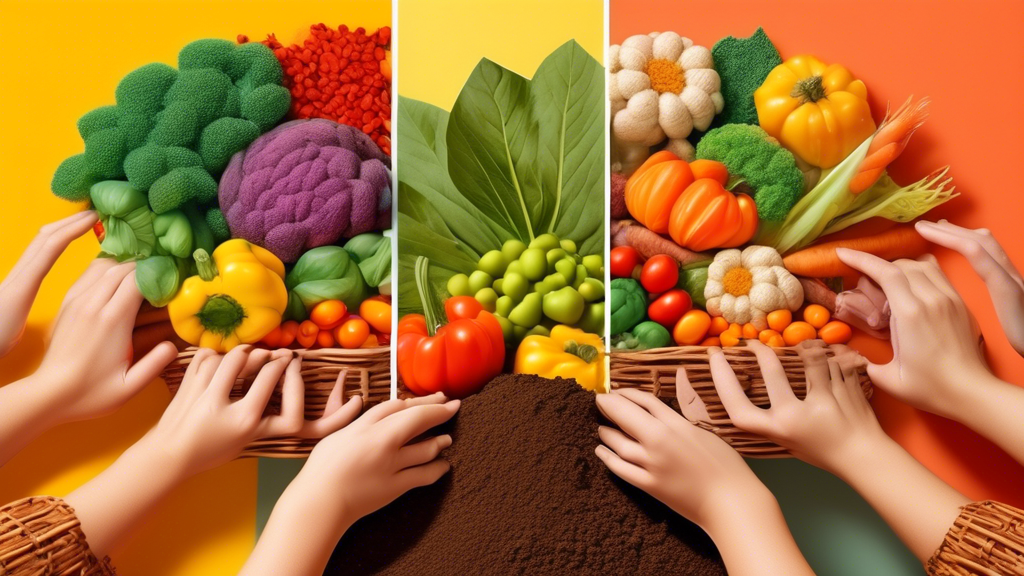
x=266 y=105
x=181 y=186
x=98 y=119
x=218 y=224
x=743 y=64
x=72 y=179
x=768 y=168
x=142 y=90
x=222 y=138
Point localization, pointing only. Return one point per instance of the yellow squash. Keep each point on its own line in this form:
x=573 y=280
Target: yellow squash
x=567 y=353
x=237 y=298
x=819 y=112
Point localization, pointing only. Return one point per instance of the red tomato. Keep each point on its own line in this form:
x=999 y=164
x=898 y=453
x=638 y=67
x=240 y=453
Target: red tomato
x=624 y=259
x=670 y=307
x=660 y=274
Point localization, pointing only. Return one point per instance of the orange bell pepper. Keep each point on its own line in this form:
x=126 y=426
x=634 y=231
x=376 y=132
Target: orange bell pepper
x=708 y=216
x=654 y=188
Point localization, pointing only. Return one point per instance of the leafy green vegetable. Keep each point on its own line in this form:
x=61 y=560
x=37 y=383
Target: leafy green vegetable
x=743 y=64
x=372 y=251
x=323 y=273
x=159 y=278
x=515 y=159
x=173 y=234
x=645 y=336
x=629 y=304
x=127 y=220
x=693 y=279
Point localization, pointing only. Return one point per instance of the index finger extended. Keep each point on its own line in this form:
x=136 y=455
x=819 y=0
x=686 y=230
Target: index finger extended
x=741 y=410
x=640 y=424
x=403 y=426
x=887 y=275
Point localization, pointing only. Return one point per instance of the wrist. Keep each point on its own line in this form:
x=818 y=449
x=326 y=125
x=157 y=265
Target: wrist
x=729 y=510
x=966 y=395
x=156 y=453
x=35 y=397
x=319 y=503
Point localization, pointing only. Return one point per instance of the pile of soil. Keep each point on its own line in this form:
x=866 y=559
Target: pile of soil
x=526 y=495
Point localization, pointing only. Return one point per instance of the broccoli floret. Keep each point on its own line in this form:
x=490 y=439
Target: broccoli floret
x=266 y=105
x=176 y=125
x=207 y=53
x=144 y=166
x=768 y=168
x=743 y=64
x=232 y=103
x=253 y=65
x=135 y=128
x=205 y=91
x=142 y=90
x=222 y=138
x=218 y=224
x=105 y=152
x=72 y=180
x=182 y=186
x=178 y=157
x=95 y=120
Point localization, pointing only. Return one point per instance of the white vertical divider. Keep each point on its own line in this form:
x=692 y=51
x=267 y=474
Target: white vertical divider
x=394 y=197
x=607 y=190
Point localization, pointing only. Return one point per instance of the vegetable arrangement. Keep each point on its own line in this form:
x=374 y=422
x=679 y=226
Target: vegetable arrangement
x=247 y=229
x=725 y=241
x=498 y=205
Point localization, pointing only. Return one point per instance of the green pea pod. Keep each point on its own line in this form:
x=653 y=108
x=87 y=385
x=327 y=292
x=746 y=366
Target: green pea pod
x=159 y=278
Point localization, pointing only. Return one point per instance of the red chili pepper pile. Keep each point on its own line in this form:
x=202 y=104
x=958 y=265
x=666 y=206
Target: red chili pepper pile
x=340 y=75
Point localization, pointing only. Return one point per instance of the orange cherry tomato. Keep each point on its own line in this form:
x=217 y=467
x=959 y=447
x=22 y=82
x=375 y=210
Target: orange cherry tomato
x=691 y=328
x=307 y=333
x=766 y=335
x=353 y=333
x=371 y=342
x=816 y=315
x=797 y=332
x=776 y=341
x=750 y=331
x=377 y=314
x=779 y=319
x=324 y=339
x=713 y=341
x=835 y=332
x=328 y=314
x=718 y=325
x=273 y=338
x=729 y=339
x=289 y=330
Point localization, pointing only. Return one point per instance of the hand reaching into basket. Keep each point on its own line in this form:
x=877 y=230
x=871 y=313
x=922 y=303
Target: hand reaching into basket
x=834 y=428
x=87 y=370
x=350 y=474
x=202 y=428
x=699 y=476
x=937 y=365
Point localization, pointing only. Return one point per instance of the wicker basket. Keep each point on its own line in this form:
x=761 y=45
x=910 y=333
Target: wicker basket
x=367 y=373
x=987 y=538
x=42 y=536
x=655 y=371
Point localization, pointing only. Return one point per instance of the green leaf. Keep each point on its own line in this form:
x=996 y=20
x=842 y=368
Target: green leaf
x=565 y=93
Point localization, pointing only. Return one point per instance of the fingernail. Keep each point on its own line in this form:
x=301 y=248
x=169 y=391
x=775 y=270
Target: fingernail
x=712 y=350
x=453 y=405
x=445 y=440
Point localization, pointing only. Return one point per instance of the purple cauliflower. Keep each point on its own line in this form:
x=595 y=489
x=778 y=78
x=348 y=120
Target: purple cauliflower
x=305 y=184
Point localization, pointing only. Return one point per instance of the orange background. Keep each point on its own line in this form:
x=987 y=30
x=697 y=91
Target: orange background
x=967 y=58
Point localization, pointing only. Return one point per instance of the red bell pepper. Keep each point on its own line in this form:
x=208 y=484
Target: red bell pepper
x=457 y=357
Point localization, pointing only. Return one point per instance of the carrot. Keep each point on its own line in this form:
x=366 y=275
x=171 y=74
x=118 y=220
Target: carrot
x=888 y=143
x=648 y=243
x=821 y=261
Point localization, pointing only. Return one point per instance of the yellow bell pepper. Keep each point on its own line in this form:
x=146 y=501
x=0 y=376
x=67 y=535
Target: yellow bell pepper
x=567 y=353
x=819 y=112
x=237 y=298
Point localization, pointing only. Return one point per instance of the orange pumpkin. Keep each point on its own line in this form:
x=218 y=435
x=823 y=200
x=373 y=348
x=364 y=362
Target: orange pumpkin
x=707 y=216
x=654 y=188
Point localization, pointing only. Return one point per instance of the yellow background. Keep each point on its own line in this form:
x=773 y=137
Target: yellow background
x=60 y=60
x=441 y=41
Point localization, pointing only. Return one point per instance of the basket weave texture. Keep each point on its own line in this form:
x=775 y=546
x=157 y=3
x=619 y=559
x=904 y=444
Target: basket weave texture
x=42 y=536
x=987 y=538
x=655 y=371
x=367 y=373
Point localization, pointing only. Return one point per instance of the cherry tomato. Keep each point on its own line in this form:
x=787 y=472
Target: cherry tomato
x=713 y=341
x=767 y=335
x=377 y=314
x=328 y=314
x=691 y=329
x=353 y=333
x=797 y=332
x=670 y=307
x=718 y=325
x=729 y=339
x=779 y=319
x=324 y=339
x=660 y=274
x=624 y=259
x=749 y=331
x=289 y=330
x=816 y=315
x=776 y=341
x=835 y=332
x=273 y=338
x=307 y=334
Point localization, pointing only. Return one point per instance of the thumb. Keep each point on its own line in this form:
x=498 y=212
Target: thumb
x=149 y=367
x=884 y=376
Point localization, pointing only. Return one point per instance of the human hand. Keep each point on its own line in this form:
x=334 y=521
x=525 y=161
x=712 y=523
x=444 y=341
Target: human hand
x=688 y=469
x=87 y=370
x=824 y=429
x=936 y=357
x=990 y=261
x=204 y=428
x=18 y=290
x=370 y=462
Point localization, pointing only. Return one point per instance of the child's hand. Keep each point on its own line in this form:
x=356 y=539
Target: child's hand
x=203 y=428
x=375 y=459
x=18 y=290
x=691 y=470
x=87 y=370
x=990 y=261
x=936 y=357
x=823 y=429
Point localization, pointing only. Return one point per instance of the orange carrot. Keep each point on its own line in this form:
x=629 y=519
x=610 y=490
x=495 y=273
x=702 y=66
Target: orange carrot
x=821 y=261
x=888 y=143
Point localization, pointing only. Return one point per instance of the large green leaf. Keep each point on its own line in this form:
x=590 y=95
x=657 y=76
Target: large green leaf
x=565 y=93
